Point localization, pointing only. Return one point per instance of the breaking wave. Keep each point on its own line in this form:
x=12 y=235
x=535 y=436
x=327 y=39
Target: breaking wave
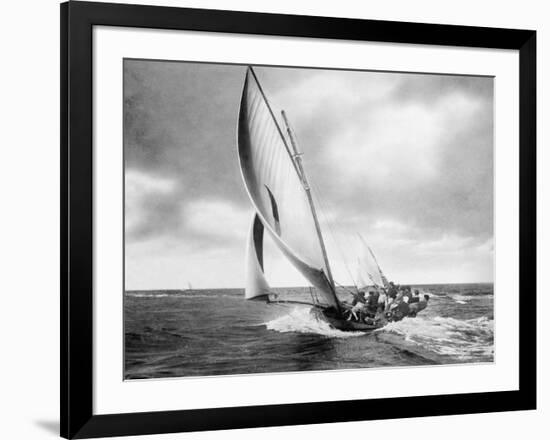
x=180 y=295
x=461 y=299
x=462 y=339
x=149 y=295
x=300 y=320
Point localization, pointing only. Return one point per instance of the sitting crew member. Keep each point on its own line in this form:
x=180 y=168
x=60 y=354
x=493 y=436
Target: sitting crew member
x=401 y=310
x=359 y=298
x=407 y=292
x=415 y=298
x=392 y=290
x=382 y=301
x=419 y=306
x=372 y=303
x=359 y=304
x=389 y=302
x=398 y=299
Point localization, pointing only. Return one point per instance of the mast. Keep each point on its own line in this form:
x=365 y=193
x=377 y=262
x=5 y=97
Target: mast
x=323 y=278
x=298 y=159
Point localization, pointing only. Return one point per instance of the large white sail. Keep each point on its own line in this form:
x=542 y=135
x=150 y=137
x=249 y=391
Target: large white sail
x=368 y=270
x=256 y=284
x=274 y=185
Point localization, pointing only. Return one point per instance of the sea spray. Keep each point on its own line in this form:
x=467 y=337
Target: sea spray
x=462 y=339
x=300 y=320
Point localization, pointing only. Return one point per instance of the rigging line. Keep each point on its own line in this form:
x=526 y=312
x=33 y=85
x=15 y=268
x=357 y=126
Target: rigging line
x=332 y=232
x=313 y=190
x=351 y=292
x=333 y=235
x=298 y=163
x=350 y=244
x=311 y=293
x=380 y=272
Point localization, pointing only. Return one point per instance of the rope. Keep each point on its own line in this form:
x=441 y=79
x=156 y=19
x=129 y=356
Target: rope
x=313 y=298
x=317 y=196
x=333 y=235
x=346 y=289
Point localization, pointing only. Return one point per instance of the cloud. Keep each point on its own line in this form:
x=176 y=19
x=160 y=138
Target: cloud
x=204 y=244
x=155 y=206
x=180 y=121
x=404 y=159
x=149 y=205
x=218 y=219
x=401 y=146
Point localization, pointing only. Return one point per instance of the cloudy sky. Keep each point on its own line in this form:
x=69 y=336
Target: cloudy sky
x=404 y=159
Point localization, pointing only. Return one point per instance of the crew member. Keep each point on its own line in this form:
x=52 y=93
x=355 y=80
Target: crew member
x=372 y=303
x=419 y=306
x=359 y=304
x=401 y=310
x=382 y=301
x=415 y=298
x=392 y=290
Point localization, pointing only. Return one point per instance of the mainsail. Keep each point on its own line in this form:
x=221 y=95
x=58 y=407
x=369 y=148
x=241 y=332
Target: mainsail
x=369 y=272
x=276 y=188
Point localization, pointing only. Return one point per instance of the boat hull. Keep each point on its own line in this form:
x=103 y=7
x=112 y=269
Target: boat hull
x=340 y=323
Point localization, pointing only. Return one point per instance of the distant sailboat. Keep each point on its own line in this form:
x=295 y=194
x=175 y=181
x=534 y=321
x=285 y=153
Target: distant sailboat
x=278 y=188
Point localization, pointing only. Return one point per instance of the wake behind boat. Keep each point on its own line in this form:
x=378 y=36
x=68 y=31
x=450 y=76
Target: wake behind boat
x=275 y=180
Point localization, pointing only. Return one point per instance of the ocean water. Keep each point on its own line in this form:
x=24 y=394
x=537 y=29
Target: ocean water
x=217 y=332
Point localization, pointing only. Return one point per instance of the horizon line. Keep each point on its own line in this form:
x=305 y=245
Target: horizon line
x=304 y=287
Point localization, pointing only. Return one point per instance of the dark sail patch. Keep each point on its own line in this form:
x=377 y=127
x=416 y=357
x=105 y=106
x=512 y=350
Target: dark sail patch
x=258 y=234
x=274 y=210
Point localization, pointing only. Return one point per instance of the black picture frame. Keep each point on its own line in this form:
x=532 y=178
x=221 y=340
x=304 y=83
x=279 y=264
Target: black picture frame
x=77 y=21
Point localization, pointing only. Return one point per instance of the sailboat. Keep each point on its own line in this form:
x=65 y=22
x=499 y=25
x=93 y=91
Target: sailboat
x=275 y=180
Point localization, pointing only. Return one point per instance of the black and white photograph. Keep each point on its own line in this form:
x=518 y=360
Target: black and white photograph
x=247 y=220
x=289 y=219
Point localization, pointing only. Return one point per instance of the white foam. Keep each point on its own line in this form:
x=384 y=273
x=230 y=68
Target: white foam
x=149 y=295
x=181 y=295
x=461 y=299
x=464 y=339
x=300 y=320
